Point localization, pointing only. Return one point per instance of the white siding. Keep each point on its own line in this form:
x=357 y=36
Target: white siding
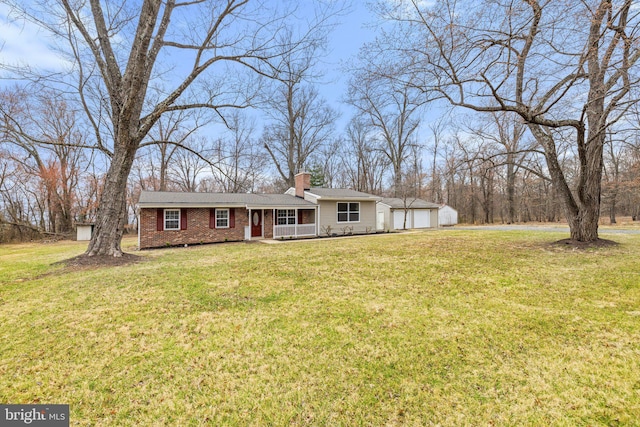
x=435 y=222
x=447 y=216
x=84 y=232
x=329 y=218
x=380 y=220
x=385 y=211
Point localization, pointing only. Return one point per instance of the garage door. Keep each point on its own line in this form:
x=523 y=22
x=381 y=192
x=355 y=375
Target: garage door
x=398 y=219
x=422 y=218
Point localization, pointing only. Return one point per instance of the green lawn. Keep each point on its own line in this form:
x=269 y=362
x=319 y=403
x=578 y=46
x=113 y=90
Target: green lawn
x=446 y=327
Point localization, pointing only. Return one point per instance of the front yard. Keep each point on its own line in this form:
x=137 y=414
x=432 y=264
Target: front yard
x=448 y=327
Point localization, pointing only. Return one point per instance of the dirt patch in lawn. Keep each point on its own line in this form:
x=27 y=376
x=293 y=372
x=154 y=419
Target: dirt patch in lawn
x=575 y=244
x=82 y=261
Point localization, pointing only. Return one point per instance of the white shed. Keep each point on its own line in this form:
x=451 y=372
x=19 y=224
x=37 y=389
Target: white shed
x=447 y=216
x=84 y=231
x=399 y=214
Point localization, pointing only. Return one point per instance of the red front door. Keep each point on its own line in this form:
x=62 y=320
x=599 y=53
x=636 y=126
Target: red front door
x=256 y=223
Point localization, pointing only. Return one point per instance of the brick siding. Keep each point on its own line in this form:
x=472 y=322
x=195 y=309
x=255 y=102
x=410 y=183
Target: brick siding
x=268 y=223
x=197 y=231
x=308 y=216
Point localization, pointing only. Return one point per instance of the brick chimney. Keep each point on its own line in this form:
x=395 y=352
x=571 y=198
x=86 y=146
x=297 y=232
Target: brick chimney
x=303 y=182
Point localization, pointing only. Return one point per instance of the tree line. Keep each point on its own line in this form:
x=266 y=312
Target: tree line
x=507 y=111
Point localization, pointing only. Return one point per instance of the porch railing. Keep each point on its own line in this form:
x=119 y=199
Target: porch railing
x=299 y=230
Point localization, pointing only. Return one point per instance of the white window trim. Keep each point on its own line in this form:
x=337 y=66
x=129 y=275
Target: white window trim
x=287 y=216
x=348 y=213
x=165 y=219
x=227 y=218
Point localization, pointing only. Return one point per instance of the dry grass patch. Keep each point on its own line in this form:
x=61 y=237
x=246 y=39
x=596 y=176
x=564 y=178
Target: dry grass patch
x=449 y=328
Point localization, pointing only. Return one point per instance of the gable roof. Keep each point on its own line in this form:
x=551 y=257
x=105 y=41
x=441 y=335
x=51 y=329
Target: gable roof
x=409 y=203
x=169 y=199
x=340 y=194
x=448 y=207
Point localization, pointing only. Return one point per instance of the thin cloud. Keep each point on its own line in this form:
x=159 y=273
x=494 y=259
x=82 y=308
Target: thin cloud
x=24 y=44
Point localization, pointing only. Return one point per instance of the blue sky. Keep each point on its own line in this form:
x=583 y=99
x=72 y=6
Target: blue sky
x=22 y=43
x=344 y=43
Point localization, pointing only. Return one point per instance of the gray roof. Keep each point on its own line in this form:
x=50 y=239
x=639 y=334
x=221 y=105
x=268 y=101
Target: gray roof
x=163 y=199
x=340 y=194
x=410 y=203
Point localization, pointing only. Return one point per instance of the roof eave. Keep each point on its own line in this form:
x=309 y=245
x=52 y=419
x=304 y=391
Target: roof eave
x=169 y=205
x=350 y=198
x=309 y=206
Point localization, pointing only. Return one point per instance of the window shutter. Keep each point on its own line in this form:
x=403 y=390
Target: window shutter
x=183 y=219
x=160 y=219
x=299 y=217
x=212 y=218
x=232 y=218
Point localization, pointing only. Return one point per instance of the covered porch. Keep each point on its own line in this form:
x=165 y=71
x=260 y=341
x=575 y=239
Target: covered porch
x=293 y=223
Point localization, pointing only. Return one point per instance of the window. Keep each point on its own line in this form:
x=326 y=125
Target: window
x=286 y=216
x=222 y=218
x=172 y=219
x=348 y=212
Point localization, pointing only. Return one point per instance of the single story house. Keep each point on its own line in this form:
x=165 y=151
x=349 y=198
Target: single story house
x=340 y=211
x=403 y=213
x=178 y=218
x=447 y=216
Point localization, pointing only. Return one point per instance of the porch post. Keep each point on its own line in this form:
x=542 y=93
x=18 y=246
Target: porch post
x=138 y=221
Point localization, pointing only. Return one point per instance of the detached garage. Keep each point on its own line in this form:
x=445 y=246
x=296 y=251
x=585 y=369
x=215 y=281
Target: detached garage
x=401 y=214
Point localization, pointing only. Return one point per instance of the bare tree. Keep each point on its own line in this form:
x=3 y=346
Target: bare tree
x=45 y=141
x=187 y=169
x=558 y=65
x=328 y=161
x=437 y=129
x=303 y=125
x=392 y=108
x=365 y=165
x=119 y=48
x=505 y=146
x=612 y=175
x=300 y=120
x=239 y=162
x=167 y=137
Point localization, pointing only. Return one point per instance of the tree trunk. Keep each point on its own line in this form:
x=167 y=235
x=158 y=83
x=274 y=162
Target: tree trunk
x=511 y=190
x=473 y=200
x=581 y=210
x=612 y=211
x=397 y=180
x=112 y=215
x=583 y=217
x=584 y=226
